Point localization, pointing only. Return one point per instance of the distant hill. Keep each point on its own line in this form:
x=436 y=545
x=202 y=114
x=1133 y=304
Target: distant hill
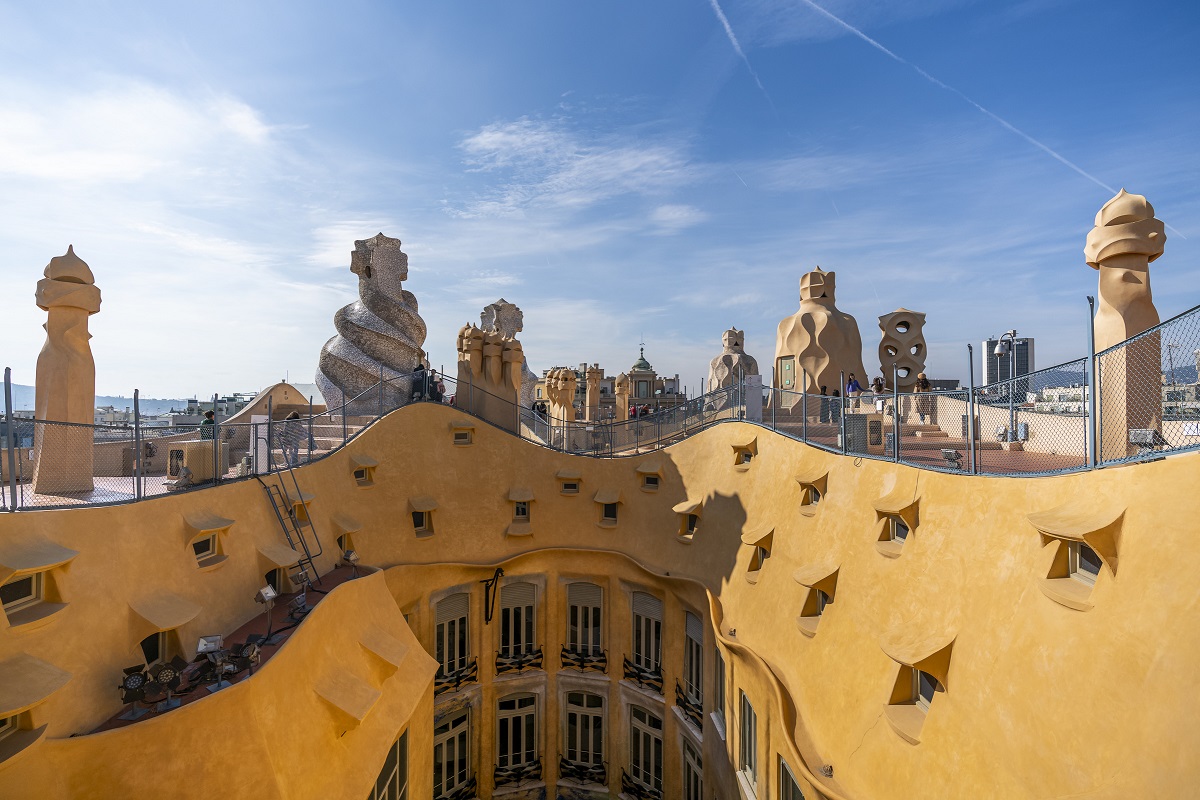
x=23 y=398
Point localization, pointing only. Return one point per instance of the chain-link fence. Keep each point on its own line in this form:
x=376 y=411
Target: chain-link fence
x=1149 y=392
x=1147 y=404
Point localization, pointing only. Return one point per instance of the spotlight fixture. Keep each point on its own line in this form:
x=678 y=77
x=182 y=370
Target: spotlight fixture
x=350 y=559
x=133 y=691
x=209 y=644
x=169 y=676
x=266 y=595
x=212 y=648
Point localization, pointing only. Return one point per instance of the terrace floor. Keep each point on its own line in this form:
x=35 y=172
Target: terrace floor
x=257 y=626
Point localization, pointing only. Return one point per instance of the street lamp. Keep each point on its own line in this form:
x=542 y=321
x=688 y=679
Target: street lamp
x=1171 y=359
x=1008 y=346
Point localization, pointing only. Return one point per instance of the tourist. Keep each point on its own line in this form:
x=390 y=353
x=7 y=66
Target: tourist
x=835 y=408
x=290 y=437
x=435 y=388
x=824 y=406
x=418 y=383
x=877 y=385
x=853 y=389
x=924 y=404
x=208 y=426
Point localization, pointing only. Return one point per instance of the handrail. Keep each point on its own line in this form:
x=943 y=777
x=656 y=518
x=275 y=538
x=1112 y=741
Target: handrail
x=685 y=417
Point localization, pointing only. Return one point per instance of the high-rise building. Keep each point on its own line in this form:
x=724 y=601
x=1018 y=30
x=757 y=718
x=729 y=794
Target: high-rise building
x=996 y=368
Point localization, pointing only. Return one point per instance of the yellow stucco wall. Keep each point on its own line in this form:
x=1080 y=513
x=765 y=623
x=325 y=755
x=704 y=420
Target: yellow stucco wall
x=1041 y=700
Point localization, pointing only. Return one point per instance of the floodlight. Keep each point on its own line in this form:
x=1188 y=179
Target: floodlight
x=209 y=644
x=350 y=557
x=133 y=691
x=266 y=594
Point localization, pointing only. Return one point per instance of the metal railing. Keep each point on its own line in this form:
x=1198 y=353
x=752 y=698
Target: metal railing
x=596 y=661
x=519 y=662
x=651 y=679
x=638 y=790
x=453 y=681
x=583 y=773
x=691 y=707
x=1136 y=401
x=507 y=776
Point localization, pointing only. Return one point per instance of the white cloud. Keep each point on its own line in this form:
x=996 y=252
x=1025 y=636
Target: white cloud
x=673 y=218
x=545 y=163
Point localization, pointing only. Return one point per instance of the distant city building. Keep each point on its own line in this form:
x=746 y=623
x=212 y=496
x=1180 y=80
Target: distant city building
x=645 y=388
x=996 y=368
x=1060 y=400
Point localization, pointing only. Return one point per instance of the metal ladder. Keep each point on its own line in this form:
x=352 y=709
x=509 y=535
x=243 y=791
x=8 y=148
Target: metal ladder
x=293 y=528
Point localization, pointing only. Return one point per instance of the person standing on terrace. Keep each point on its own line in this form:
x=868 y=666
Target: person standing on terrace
x=208 y=425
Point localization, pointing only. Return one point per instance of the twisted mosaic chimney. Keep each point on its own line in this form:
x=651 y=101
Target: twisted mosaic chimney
x=381 y=328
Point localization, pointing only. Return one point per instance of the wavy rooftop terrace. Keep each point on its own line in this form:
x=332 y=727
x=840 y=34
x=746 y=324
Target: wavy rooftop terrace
x=834 y=596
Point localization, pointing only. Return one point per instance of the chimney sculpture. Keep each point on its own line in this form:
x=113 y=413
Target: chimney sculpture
x=818 y=340
x=379 y=332
x=1121 y=246
x=593 y=376
x=507 y=319
x=66 y=378
x=731 y=365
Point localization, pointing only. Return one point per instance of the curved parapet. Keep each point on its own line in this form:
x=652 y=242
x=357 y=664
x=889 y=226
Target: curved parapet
x=380 y=333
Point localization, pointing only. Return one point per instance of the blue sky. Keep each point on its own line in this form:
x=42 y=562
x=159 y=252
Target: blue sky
x=617 y=169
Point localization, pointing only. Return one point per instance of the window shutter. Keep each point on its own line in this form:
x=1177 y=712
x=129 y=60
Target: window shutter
x=647 y=605
x=695 y=630
x=584 y=594
x=517 y=594
x=453 y=607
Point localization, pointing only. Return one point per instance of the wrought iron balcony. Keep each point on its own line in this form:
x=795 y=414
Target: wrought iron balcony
x=637 y=790
x=646 y=678
x=518 y=662
x=692 y=709
x=583 y=773
x=531 y=771
x=595 y=661
x=451 y=682
x=464 y=792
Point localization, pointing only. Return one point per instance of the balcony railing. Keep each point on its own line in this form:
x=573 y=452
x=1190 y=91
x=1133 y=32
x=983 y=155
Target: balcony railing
x=692 y=709
x=518 y=662
x=506 y=776
x=583 y=773
x=453 y=681
x=595 y=661
x=637 y=790
x=464 y=792
x=646 y=678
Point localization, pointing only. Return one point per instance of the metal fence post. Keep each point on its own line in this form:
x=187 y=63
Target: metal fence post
x=10 y=440
x=972 y=455
x=345 y=409
x=804 y=406
x=1093 y=389
x=137 y=447
x=380 y=391
x=774 y=402
x=895 y=413
x=842 y=410
x=310 y=428
x=270 y=433
x=218 y=472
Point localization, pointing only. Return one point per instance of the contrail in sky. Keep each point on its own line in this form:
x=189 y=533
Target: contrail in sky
x=942 y=85
x=737 y=48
